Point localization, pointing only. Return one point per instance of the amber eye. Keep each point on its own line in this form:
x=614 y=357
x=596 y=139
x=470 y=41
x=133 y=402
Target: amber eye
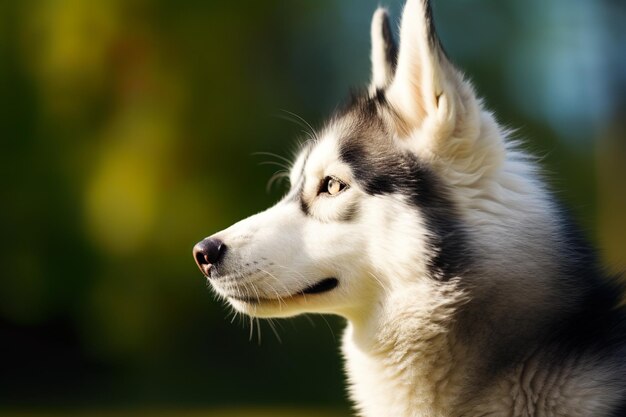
x=332 y=186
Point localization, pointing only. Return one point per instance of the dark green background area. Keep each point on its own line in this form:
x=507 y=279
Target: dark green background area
x=128 y=132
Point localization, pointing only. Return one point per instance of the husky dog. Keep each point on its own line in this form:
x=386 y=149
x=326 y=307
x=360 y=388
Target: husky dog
x=466 y=289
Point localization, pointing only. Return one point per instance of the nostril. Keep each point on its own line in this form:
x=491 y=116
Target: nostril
x=208 y=253
x=200 y=258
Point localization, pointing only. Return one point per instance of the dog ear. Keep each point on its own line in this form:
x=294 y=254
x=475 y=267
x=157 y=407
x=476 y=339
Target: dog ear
x=428 y=93
x=384 y=51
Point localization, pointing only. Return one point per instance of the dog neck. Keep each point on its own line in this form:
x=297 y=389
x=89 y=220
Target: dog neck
x=410 y=358
x=401 y=359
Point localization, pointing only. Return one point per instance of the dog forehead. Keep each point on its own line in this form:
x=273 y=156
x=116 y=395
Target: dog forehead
x=324 y=158
x=318 y=158
x=362 y=123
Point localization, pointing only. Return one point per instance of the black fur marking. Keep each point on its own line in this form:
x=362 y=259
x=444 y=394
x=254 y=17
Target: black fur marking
x=620 y=410
x=433 y=37
x=350 y=214
x=391 y=48
x=304 y=206
x=380 y=167
x=402 y=173
x=430 y=21
x=367 y=109
x=596 y=322
x=592 y=323
x=380 y=96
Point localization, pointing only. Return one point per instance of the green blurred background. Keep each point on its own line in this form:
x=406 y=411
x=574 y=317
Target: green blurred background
x=128 y=129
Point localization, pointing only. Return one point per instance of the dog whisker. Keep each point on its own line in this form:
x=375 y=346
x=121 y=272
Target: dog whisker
x=299 y=120
x=270 y=322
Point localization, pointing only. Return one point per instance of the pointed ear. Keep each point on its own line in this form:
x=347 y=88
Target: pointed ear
x=427 y=90
x=384 y=51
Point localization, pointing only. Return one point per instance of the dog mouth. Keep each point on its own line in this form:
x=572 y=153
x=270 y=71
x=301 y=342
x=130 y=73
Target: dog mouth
x=325 y=285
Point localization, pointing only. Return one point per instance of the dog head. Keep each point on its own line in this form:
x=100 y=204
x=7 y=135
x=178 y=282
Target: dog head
x=377 y=199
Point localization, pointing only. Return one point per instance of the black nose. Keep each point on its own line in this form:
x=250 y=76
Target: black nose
x=208 y=253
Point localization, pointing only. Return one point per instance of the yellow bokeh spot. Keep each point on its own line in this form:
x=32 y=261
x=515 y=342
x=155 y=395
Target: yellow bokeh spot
x=123 y=192
x=121 y=201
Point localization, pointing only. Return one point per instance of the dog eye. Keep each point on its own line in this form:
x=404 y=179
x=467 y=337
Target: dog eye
x=332 y=186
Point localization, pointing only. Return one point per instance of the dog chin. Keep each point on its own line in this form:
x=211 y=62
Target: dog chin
x=267 y=308
x=309 y=300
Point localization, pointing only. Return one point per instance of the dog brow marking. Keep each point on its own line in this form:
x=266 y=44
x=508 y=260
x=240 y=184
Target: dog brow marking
x=304 y=206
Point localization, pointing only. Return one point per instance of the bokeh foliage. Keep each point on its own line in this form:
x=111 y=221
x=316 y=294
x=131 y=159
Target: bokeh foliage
x=128 y=130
